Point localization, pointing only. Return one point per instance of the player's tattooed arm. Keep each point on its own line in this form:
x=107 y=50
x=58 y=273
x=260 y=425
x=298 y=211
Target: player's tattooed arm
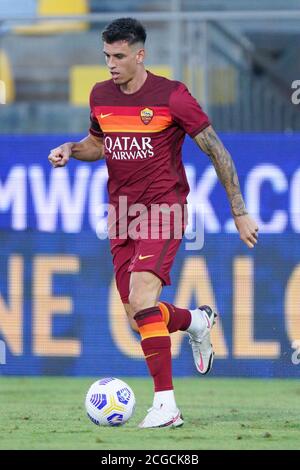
x=210 y=143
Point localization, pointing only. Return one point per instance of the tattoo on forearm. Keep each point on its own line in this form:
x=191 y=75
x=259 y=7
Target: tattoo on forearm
x=209 y=142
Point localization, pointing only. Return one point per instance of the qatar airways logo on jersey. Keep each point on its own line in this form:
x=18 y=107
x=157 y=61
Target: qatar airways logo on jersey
x=129 y=148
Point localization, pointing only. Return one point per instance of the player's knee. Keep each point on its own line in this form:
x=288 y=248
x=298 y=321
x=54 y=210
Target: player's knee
x=144 y=291
x=136 y=300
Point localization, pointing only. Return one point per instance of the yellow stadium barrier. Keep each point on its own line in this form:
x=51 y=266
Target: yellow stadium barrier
x=57 y=8
x=222 y=86
x=162 y=70
x=62 y=7
x=7 y=92
x=84 y=77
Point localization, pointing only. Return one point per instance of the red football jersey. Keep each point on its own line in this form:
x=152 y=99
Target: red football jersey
x=143 y=134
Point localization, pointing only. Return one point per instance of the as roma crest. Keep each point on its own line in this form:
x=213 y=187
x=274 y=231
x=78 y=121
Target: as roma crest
x=146 y=115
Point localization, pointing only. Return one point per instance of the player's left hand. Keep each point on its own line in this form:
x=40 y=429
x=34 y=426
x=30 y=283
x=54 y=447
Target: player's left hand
x=248 y=229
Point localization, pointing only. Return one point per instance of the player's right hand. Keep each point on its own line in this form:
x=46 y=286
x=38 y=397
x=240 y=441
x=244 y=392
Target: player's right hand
x=60 y=155
x=248 y=229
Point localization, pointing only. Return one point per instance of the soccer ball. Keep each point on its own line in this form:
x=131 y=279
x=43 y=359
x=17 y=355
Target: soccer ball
x=109 y=402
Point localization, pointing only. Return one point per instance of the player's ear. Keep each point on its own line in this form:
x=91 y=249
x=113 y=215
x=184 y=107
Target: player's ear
x=140 y=56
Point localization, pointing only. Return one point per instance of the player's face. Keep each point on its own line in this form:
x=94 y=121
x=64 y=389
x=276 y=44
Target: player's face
x=123 y=60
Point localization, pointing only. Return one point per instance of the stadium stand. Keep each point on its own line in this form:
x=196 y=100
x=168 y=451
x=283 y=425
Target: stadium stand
x=243 y=78
x=191 y=5
x=48 y=8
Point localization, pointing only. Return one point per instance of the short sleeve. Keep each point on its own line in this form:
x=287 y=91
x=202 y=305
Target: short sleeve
x=186 y=111
x=95 y=128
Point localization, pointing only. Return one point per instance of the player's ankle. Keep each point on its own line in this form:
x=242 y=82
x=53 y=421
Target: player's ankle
x=198 y=323
x=165 y=398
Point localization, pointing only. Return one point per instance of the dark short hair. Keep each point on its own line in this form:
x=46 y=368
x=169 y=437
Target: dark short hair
x=124 y=29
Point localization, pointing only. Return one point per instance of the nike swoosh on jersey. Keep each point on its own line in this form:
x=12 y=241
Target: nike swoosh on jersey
x=102 y=116
x=144 y=257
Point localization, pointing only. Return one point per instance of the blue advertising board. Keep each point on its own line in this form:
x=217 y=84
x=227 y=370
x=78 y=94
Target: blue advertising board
x=60 y=313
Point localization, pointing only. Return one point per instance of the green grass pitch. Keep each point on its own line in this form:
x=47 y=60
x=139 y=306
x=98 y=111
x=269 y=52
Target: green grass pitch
x=48 y=413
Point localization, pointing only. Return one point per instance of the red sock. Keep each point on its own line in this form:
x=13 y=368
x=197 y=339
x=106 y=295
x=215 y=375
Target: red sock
x=174 y=317
x=156 y=345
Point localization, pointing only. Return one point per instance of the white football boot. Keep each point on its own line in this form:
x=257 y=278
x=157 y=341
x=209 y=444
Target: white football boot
x=162 y=417
x=203 y=319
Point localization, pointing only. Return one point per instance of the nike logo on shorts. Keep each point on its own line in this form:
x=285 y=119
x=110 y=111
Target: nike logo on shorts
x=144 y=257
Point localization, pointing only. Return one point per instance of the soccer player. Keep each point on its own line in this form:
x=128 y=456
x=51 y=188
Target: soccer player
x=138 y=124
